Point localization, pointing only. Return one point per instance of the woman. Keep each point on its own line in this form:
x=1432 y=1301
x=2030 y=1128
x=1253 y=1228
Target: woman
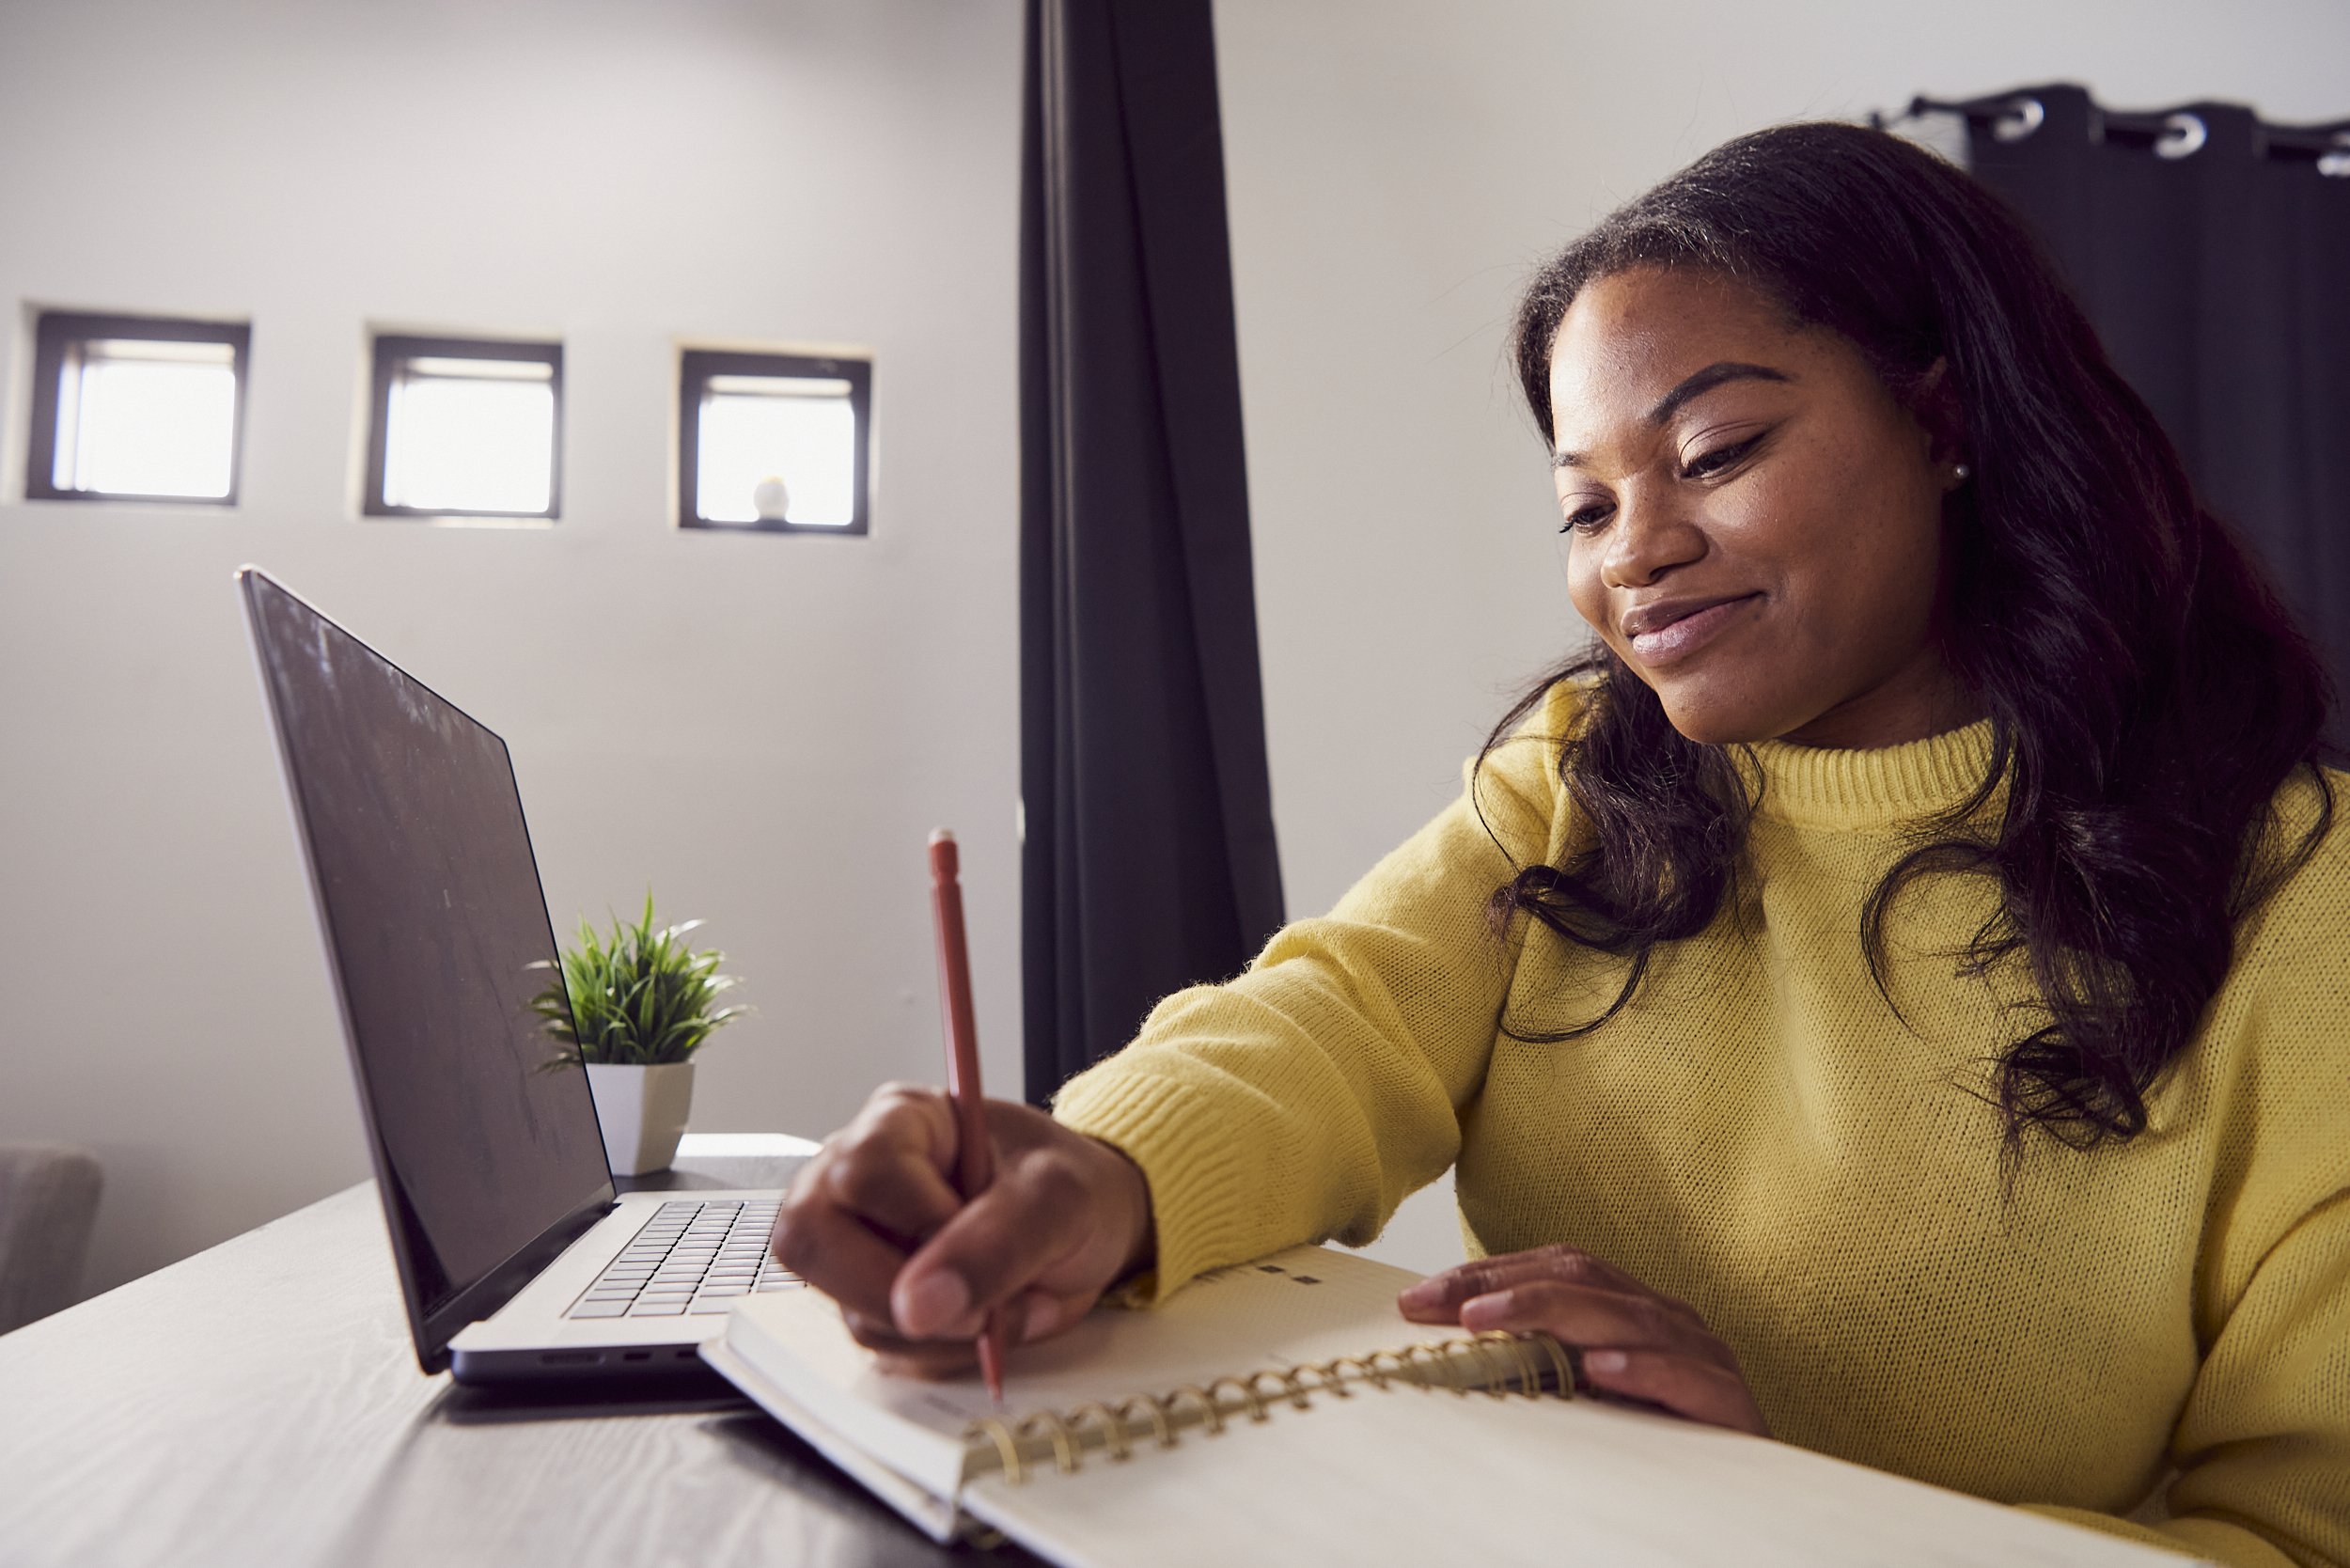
x=1891 y=993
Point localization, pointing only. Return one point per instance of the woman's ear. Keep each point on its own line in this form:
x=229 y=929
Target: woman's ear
x=1933 y=403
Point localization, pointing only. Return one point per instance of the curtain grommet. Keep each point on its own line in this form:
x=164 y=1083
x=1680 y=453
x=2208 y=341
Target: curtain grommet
x=2183 y=136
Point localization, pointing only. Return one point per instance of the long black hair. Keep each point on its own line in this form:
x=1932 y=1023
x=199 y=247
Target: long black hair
x=2148 y=692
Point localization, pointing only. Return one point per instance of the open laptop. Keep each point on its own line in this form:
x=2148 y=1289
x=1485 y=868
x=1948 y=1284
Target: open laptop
x=520 y=1259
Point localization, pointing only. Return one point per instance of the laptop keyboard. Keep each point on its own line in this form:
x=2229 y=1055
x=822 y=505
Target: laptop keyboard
x=690 y=1258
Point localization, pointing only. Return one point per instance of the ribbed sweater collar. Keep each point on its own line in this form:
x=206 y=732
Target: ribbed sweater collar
x=1809 y=787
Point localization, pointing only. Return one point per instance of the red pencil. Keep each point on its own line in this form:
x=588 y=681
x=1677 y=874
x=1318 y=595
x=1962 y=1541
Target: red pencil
x=975 y=1165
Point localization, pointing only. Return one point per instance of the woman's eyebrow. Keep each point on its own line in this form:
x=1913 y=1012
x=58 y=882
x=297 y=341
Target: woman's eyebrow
x=1706 y=379
x=1702 y=382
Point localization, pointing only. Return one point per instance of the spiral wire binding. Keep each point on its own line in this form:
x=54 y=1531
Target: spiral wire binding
x=1491 y=1363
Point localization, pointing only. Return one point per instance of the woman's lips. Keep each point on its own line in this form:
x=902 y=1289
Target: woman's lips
x=1683 y=635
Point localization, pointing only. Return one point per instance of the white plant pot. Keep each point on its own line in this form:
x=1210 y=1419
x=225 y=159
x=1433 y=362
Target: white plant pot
x=642 y=1111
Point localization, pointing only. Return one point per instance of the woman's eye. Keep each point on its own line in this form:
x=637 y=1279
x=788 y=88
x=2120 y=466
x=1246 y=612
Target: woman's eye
x=1719 y=458
x=1583 y=520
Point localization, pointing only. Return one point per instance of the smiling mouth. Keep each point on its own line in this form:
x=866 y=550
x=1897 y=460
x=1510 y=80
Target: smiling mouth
x=1675 y=633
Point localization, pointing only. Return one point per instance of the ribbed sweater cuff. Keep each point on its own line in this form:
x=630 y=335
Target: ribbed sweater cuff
x=1199 y=1201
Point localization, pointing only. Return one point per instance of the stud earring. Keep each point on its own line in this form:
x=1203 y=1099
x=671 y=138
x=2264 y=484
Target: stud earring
x=1962 y=473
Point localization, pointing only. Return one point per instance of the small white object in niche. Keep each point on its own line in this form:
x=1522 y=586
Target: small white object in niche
x=771 y=499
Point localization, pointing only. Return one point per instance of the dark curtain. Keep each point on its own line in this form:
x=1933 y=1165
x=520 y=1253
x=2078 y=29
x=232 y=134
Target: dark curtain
x=2211 y=252
x=1149 y=854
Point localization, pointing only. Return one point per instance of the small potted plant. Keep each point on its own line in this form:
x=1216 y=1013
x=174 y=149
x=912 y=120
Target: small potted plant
x=641 y=1003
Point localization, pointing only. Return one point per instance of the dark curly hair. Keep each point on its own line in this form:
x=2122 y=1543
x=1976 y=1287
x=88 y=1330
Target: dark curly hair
x=2148 y=692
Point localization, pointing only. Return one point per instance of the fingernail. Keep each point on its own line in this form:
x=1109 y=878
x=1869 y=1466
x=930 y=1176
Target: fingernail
x=1490 y=1311
x=933 y=1302
x=1043 y=1317
x=1426 y=1293
x=1606 y=1360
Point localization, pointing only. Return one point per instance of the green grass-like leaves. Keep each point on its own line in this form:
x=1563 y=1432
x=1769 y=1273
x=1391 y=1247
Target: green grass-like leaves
x=639 y=996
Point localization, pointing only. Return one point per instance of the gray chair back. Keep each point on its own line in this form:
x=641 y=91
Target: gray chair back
x=48 y=1207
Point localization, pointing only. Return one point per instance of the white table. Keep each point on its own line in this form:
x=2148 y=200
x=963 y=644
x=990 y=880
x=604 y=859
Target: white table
x=259 y=1403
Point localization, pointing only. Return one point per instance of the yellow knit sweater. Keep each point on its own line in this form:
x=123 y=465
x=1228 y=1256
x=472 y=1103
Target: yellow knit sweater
x=1760 y=1135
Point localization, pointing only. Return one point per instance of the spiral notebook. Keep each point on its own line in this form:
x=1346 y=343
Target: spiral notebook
x=1282 y=1411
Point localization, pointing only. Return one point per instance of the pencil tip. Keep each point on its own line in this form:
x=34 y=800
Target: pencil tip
x=992 y=1358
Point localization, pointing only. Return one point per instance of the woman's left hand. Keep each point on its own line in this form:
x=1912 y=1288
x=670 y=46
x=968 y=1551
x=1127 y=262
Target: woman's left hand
x=1633 y=1342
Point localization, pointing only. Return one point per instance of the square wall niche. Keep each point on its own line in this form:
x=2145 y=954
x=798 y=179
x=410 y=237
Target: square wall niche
x=775 y=443
x=136 y=408
x=464 y=427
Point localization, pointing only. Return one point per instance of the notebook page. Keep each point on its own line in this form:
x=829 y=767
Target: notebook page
x=1306 y=1304
x=1412 y=1477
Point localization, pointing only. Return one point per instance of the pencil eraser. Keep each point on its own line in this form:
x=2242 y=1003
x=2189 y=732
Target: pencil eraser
x=942 y=835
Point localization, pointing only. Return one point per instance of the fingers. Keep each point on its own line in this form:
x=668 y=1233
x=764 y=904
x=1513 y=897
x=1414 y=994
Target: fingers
x=1637 y=1342
x=833 y=1249
x=1589 y=1316
x=893 y=1165
x=1054 y=1230
x=868 y=1197
x=1440 y=1297
x=1700 y=1390
x=875 y=1222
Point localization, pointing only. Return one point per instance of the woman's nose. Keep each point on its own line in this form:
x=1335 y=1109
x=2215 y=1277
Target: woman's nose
x=1651 y=537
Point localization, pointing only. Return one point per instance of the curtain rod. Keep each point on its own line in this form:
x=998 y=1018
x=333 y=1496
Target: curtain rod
x=2174 y=132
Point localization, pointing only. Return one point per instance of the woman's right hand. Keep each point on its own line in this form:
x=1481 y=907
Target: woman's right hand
x=874 y=1221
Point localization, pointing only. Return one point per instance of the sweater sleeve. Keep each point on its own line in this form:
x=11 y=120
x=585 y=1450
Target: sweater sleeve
x=2263 y=1446
x=2261 y=1449
x=1308 y=1098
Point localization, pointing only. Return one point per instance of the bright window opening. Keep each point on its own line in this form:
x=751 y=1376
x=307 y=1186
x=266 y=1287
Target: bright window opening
x=471 y=435
x=465 y=429
x=774 y=443
x=133 y=409
x=778 y=449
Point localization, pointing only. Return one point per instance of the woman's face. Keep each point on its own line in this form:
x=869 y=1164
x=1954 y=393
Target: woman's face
x=1755 y=522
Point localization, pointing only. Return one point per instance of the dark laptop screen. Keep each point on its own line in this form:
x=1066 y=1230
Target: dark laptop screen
x=430 y=899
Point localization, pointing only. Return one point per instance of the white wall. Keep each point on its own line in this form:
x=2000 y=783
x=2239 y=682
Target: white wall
x=1397 y=168
x=763 y=728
